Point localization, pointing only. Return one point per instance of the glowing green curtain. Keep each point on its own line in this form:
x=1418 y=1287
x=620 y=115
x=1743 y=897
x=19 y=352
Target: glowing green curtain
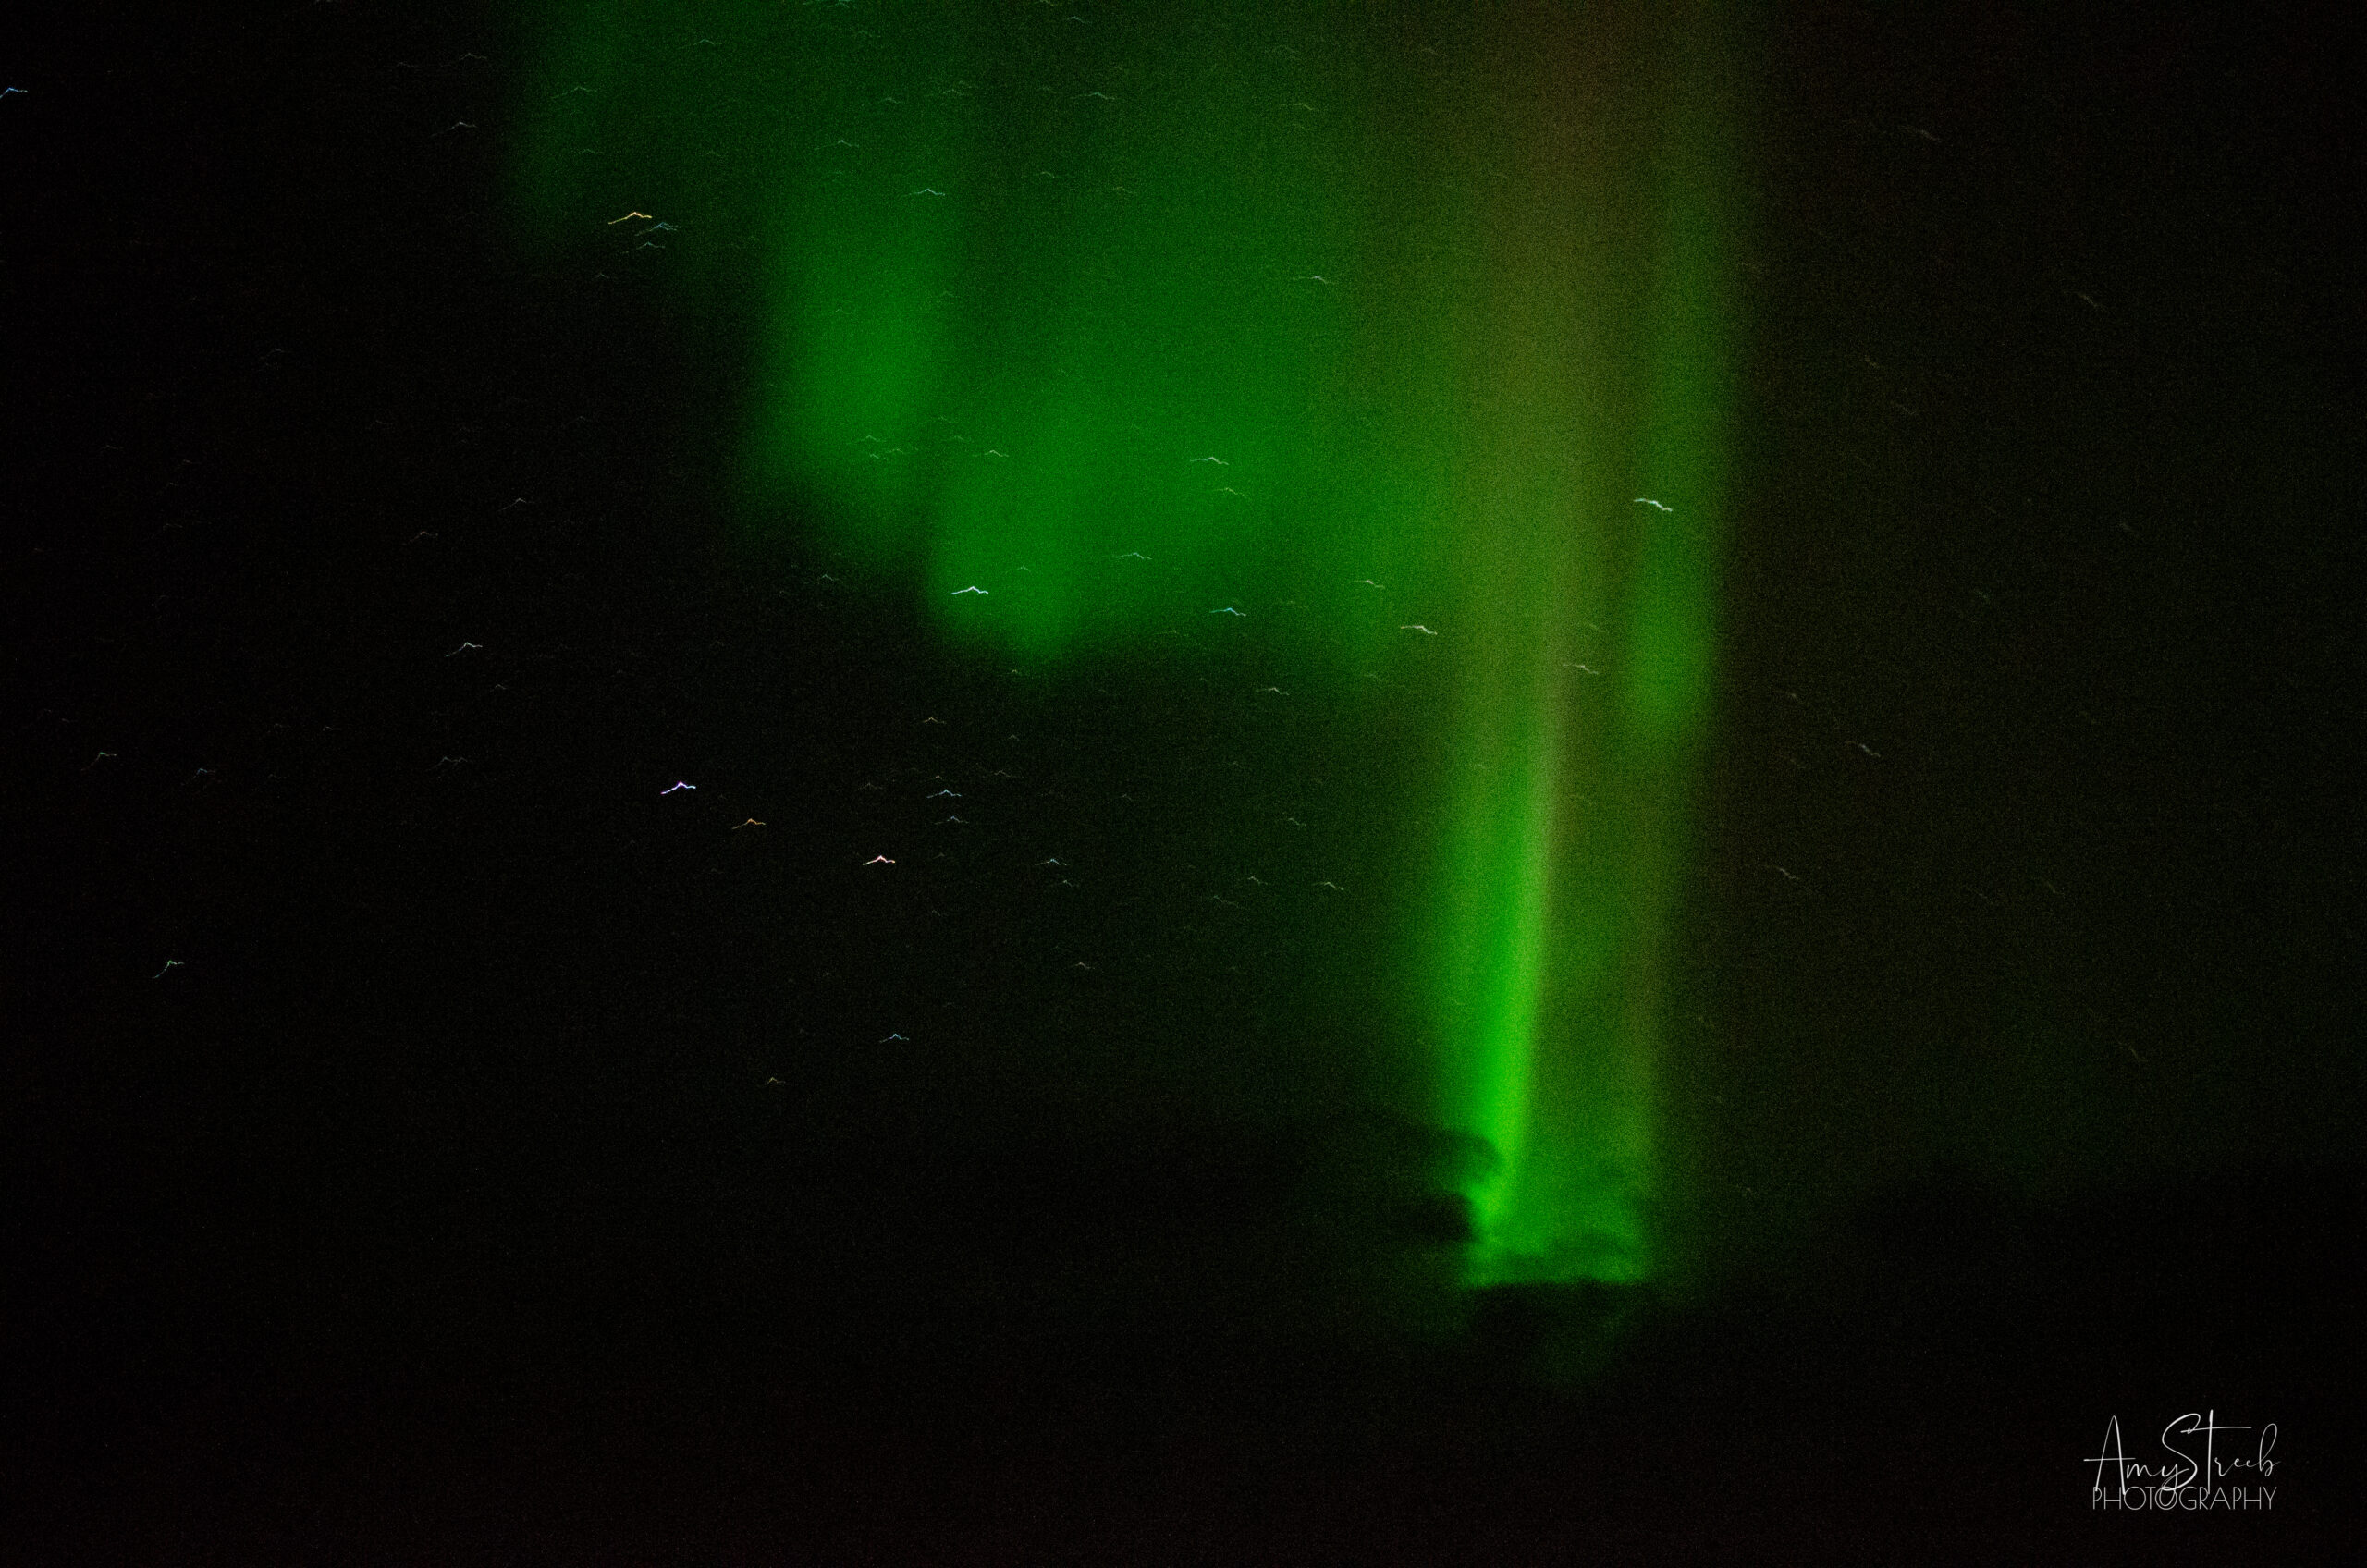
x=1390 y=339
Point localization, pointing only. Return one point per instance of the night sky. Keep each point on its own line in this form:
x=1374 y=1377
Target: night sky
x=467 y=1097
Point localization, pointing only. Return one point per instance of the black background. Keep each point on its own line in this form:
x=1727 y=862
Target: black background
x=437 y=1207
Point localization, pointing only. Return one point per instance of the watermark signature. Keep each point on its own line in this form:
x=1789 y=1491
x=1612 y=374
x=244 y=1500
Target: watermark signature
x=2206 y=1463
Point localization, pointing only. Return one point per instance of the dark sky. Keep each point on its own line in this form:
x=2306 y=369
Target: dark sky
x=433 y=1202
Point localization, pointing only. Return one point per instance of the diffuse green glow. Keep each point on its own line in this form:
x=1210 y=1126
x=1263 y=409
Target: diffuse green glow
x=1441 y=315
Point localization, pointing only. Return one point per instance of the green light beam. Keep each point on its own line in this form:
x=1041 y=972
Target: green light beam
x=1364 y=334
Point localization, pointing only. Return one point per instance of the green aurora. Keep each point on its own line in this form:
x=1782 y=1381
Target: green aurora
x=1388 y=341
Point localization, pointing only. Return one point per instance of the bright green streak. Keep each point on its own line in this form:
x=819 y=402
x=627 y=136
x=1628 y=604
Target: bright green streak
x=1444 y=316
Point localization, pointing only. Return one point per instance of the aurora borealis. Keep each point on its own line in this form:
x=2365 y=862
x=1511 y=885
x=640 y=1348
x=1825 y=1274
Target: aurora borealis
x=1015 y=782
x=1231 y=321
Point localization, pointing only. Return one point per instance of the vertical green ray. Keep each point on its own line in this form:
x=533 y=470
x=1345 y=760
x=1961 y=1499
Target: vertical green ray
x=1443 y=292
